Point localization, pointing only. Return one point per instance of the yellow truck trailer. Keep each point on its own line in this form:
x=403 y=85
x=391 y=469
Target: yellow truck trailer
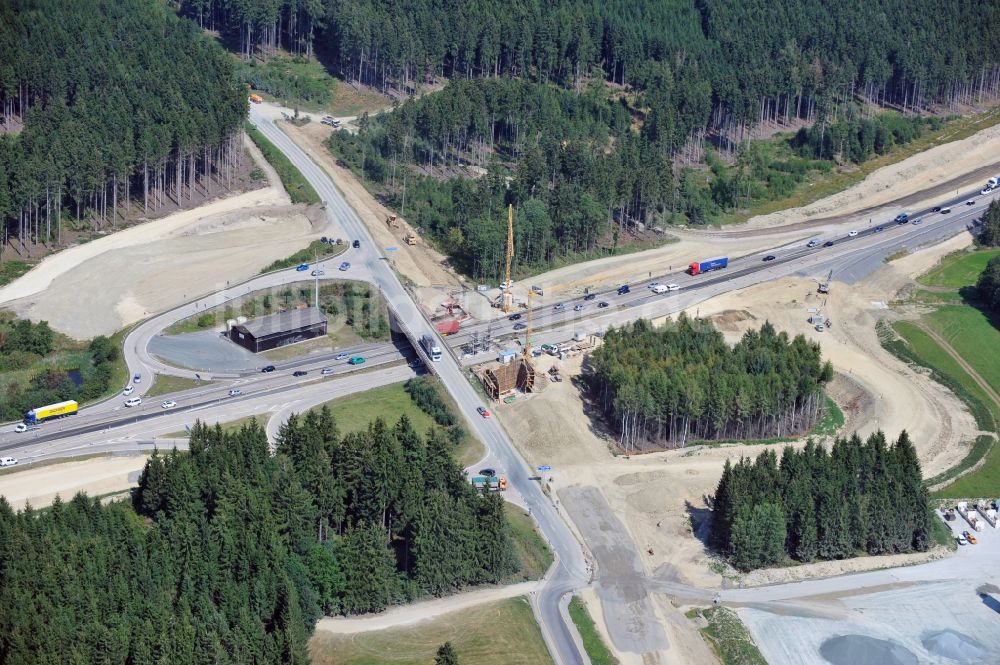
x=57 y=410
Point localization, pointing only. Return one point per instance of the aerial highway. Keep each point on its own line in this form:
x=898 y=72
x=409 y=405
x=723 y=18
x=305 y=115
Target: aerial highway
x=848 y=255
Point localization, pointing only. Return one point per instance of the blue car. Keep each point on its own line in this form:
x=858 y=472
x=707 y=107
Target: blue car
x=345 y=266
x=303 y=267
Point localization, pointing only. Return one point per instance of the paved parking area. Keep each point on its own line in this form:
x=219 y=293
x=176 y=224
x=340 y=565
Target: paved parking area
x=206 y=350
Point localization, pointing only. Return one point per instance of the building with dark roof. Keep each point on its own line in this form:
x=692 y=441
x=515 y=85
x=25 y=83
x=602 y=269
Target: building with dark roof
x=270 y=332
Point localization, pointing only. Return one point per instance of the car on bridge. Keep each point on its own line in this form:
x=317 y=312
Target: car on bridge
x=519 y=326
x=852 y=233
x=8 y=461
x=483 y=411
x=970 y=202
x=673 y=287
x=769 y=257
x=578 y=307
x=299 y=372
x=302 y=267
x=133 y=401
x=514 y=317
x=590 y=296
x=20 y=427
x=168 y=404
x=902 y=218
x=828 y=243
x=945 y=210
x=813 y=243
x=559 y=307
x=326 y=371
x=602 y=305
x=918 y=221
x=235 y=392
x=356 y=360
x=341 y=356
x=879 y=229
x=356 y=244
x=623 y=289
x=128 y=391
x=267 y=368
x=986 y=191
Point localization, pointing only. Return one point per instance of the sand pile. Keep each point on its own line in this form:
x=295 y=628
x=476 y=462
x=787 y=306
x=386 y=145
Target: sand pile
x=864 y=650
x=954 y=645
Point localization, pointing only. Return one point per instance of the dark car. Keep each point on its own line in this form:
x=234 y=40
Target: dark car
x=902 y=218
x=488 y=472
x=299 y=372
x=879 y=229
x=936 y=209
x=267 y=368
x=590 y=296
x=769 y=257
x=356 y=244
x=519 y=326
x=514 y=317
x=900 y=222
x=602 y=304
x=828 y=243
x=622 y=290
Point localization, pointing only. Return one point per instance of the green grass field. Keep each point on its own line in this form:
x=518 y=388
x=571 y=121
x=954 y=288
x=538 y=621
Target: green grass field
x=831 y=422
x=536 y=557
x=316 y=250
x=11 y=270
x=971 y=333
x=593 y=643
x=728 y=636
x=170 y=384
x=295 y=184
x=958 y=269
x=503 y=633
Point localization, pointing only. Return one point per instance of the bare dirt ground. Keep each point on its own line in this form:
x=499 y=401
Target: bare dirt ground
x=158 y=265
x=40 y=485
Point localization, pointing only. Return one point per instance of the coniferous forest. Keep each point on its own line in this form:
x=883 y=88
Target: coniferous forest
x=229 y=555
x=860 y=497
x=107 y=102
x=665 y=386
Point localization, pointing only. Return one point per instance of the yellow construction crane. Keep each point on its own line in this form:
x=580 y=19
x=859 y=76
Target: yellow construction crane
x=508 y=295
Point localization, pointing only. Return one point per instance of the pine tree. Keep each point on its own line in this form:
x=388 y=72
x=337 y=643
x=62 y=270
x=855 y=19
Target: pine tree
x=446 y=655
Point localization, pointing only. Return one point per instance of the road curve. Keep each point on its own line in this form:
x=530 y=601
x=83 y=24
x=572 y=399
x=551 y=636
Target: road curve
x=570 y=571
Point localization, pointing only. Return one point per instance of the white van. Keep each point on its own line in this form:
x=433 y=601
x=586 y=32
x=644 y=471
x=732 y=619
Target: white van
x=133 y=401
x=8 y=461
x=660 y=288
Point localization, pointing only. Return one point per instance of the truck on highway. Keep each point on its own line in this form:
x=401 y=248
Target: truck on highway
x=57 y=410
x=490 y=483
x=699 y=267
x=993 y=182
x=431 y=348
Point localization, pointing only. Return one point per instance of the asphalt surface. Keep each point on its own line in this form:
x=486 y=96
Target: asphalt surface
x=569 y=571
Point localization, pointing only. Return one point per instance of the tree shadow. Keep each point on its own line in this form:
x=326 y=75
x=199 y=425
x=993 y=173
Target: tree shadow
x=700 y=519
x=970 y=297
x=990 y=602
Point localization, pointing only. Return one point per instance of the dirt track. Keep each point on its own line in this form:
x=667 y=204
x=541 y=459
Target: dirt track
x=40 y=485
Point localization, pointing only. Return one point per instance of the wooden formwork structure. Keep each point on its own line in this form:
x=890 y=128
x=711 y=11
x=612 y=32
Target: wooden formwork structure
x=516 y=375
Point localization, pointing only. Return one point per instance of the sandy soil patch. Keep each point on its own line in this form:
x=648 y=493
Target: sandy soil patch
x=126 y=284
x=101 y=475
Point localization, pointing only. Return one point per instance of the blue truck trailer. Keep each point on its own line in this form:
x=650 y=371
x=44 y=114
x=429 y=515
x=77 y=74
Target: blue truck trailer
x=699 y=267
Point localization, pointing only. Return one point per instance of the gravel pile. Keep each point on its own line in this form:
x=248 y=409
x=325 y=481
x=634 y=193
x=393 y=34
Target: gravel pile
x=864 y=650
x=955 y=646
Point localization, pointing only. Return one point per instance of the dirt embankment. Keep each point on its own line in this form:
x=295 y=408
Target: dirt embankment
x=104 y=285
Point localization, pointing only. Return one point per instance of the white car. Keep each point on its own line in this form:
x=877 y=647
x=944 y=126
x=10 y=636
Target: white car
x=128 y=390
x=317 y=273
x=20 y=427
x=852 y=234
x=8 y=461
x=986 y=191
x=235 y=392
x=918 y=221
x=326 y=370
x=168 y=404
x=133 y=401
x=673 y=287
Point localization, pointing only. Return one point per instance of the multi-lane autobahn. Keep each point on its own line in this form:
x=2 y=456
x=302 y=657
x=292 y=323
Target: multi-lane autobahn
x=281 y=391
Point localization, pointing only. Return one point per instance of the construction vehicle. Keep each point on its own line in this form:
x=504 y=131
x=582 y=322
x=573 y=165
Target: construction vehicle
x=824 y=287
x=698 y=267
x=256 y=99
x=411 y=238
x=489 y=483
x=391 y=221
x=57 y=410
